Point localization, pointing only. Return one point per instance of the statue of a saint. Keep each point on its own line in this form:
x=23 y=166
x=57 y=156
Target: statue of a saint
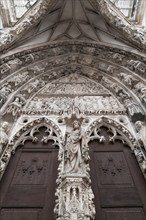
x=141 y=131
x=73 y=158
x=3 y=136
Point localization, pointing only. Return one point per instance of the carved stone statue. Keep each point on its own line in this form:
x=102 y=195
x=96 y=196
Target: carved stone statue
x=73 y=157
x=3 y=136
x=16 y=105
x=141 y=131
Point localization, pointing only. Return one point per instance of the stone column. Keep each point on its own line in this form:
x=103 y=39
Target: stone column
x=74 y=194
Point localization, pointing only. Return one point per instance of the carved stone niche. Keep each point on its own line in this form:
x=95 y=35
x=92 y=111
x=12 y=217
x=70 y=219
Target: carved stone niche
x=135 y=112
x=75 y=199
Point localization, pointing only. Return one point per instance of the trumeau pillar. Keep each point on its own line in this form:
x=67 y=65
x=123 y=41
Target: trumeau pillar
x=75 y=196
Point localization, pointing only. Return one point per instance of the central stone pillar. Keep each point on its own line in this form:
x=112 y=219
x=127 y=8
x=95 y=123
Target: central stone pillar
x=74 y=194
x=75 y=199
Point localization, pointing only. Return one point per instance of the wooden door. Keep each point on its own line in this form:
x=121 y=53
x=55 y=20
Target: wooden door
x=117 y=182
x=28 y=186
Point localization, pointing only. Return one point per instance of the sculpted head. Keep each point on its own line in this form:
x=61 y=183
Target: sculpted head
x=139 y=125
x=76 y=124
x=5 y=125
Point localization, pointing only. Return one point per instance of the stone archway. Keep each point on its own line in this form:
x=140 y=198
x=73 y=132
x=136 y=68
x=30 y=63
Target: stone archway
x=94 y=75
x=28 y=187
x=116 y=180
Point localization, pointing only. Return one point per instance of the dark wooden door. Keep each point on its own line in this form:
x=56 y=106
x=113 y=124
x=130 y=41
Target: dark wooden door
x=117 y=182
x=27 y=189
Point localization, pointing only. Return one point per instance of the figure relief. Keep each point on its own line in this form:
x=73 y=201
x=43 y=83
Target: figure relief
x=3 y=136
x=73 y=162
x=3 y=142
x=141 y=132
x=18 y=103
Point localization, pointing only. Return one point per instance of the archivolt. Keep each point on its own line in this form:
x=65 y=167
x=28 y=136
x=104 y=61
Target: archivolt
x=88 y=60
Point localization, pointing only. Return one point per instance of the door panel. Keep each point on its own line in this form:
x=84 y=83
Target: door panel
x=117 y=182
x=29 y=179
x=125 y=197
x=32 y=168
x=123 y=214
x=28 y=186
x=112 y=169
x=14 y=214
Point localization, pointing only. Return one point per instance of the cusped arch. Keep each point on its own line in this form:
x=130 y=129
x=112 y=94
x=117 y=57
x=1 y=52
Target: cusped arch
x=27 y=132
x=119 y=132
x=114 y=126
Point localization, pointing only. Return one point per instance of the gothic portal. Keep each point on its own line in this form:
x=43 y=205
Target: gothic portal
x=73 y=114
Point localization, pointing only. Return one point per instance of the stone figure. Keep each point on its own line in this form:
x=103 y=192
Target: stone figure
x=6 y=90
x=17 y=104
x=6 y=37
x=144 y=100
x=135 y=112
x=126 y=78
x=2 y=100
x=73 y=157
x=3 y=136
x=141 y=132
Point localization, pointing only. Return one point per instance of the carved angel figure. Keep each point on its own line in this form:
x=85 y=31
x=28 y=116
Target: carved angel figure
x=141 y=131
x=73 y=157
x=3 y=136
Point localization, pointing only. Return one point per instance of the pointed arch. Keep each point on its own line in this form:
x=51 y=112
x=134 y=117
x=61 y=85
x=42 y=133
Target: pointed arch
x=119 y=132
x=27 y=131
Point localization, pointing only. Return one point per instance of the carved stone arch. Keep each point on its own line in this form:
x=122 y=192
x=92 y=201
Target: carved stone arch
x=119 y=132
x=126 y=78
x=110 y=61
x=114 y=170
x=110 y=123
x=26 y=132
x=118 y=89
x=37 y=149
